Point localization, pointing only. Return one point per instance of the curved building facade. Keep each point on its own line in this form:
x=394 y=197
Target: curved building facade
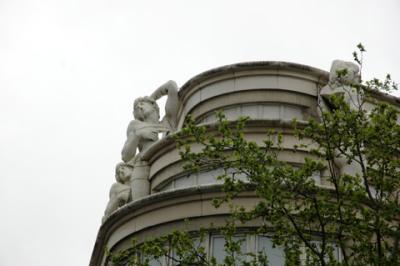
x=271 y=94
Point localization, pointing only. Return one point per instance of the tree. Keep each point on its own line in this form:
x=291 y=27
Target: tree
x=354 y=213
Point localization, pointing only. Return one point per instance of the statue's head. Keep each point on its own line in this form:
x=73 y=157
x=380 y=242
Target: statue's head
x=344 y=72
x=123 y=172
x=145 y=107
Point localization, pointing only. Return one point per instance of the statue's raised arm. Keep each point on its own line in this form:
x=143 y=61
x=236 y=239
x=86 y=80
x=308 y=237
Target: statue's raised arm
x=170 y=89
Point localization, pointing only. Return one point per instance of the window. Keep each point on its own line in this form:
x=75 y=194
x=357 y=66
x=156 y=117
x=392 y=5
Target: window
x=185 y=181
x=196 y=244
x=218 y=247
x=316 y=175
x=162 y=261
x=337 y=253
x=275 y=255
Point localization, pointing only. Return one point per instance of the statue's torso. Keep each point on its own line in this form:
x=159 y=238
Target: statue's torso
x=148 y=132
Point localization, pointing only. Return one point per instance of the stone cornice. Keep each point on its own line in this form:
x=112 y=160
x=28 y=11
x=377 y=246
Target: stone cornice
x=256 y=65
x=128 y=211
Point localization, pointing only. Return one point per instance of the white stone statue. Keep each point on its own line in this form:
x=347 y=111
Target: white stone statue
x=341 y=85
x=143 y=132
x=120 y=192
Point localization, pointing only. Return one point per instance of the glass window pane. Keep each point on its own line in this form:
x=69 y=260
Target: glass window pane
x=156 y=262
x=205 y=178
x=167 y=186
x=316 y=175
x=185 y=181
x=290 y=112
x=250 y=111
x=270 y=112
x=337 y=254
x=207 y=119
x=196 y=244
x=275 y=255
x=209 y=177
x=218 y=247
x=238 y=175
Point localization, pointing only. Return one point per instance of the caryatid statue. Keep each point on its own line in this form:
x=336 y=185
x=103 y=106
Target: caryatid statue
x=143 y=132
x=120 y=192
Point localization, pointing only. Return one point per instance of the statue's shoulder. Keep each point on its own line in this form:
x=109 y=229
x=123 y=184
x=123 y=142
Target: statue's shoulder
x=133 y=125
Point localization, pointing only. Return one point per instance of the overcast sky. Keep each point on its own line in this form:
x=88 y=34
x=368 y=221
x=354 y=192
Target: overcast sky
x=70 y=70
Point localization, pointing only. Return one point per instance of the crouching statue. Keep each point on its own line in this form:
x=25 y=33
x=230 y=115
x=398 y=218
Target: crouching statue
x=343 y=78
x=120 y=192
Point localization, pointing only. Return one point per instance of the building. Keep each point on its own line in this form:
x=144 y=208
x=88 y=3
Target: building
x=271 y=94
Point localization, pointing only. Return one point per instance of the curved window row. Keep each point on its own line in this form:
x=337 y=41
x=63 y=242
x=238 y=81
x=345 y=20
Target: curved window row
x=258 y=111
x=214 y=245
x=210 y=177
x=200 y=178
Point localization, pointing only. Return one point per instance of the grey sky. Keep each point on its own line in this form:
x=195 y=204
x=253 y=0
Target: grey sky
x=70 y=70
